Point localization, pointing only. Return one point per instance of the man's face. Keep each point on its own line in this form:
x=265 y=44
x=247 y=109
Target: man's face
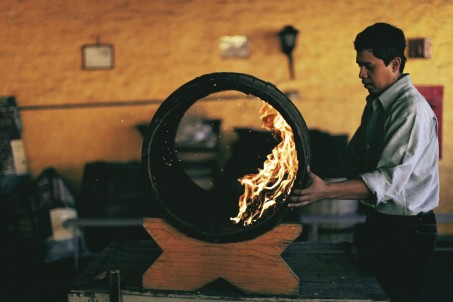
x=375 y=76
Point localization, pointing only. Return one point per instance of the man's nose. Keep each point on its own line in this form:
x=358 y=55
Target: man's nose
x=362 y=73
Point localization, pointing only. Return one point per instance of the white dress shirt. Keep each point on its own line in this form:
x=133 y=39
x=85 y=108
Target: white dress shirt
x=395 y=151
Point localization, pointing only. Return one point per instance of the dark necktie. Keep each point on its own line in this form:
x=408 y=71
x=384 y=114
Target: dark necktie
x=370 y=141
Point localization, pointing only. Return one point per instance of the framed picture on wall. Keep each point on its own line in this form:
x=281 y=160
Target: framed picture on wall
x=97 y=56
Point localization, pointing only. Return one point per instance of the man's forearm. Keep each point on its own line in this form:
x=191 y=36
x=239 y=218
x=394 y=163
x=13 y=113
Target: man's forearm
x=319 y=190
x=348 y=189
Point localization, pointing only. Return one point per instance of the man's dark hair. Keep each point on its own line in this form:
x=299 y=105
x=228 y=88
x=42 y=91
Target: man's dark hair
x=385 y=41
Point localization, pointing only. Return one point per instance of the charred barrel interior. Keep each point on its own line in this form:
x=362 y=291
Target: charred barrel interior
x=206 y=213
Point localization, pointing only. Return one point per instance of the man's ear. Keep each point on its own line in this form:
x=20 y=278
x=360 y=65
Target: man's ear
x=396 y=63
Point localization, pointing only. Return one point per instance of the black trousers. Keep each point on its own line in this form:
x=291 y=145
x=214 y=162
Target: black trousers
x=397 y=250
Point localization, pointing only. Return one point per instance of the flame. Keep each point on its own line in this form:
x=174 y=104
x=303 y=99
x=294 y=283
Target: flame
x=273 y=183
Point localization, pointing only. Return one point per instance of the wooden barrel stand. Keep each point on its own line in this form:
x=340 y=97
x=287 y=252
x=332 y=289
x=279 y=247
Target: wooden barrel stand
x=253 y=266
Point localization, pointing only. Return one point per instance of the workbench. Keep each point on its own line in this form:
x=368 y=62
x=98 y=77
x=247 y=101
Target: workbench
x=327 y=272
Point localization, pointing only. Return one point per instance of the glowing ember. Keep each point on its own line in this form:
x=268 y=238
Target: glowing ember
x=270 y=186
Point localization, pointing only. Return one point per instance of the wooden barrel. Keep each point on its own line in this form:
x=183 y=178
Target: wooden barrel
x=200 y=213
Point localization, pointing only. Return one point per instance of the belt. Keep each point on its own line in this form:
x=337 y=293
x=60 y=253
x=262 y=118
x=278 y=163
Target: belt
x=426 y=217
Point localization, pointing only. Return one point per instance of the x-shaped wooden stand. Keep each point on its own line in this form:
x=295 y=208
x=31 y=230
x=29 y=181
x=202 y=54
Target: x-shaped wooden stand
x=253 y=266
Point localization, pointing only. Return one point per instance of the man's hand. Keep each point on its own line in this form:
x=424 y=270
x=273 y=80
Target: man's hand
x=317 y=190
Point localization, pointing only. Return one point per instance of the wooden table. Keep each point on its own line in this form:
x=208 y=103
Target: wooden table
x=327 y=272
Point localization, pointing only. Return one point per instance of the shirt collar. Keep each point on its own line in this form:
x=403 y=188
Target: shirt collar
x=392 y=92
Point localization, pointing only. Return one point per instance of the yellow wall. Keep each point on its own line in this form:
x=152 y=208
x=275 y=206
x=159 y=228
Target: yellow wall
x=159 y=45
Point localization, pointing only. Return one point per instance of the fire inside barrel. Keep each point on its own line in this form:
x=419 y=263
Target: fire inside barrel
x=272 y=184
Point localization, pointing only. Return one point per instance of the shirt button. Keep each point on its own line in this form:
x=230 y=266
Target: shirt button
x=368 y=146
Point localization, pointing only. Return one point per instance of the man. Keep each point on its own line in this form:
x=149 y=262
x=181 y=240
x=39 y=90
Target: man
x=392 y=167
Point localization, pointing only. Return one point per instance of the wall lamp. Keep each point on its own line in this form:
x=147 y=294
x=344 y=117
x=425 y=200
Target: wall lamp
x=288 y=36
